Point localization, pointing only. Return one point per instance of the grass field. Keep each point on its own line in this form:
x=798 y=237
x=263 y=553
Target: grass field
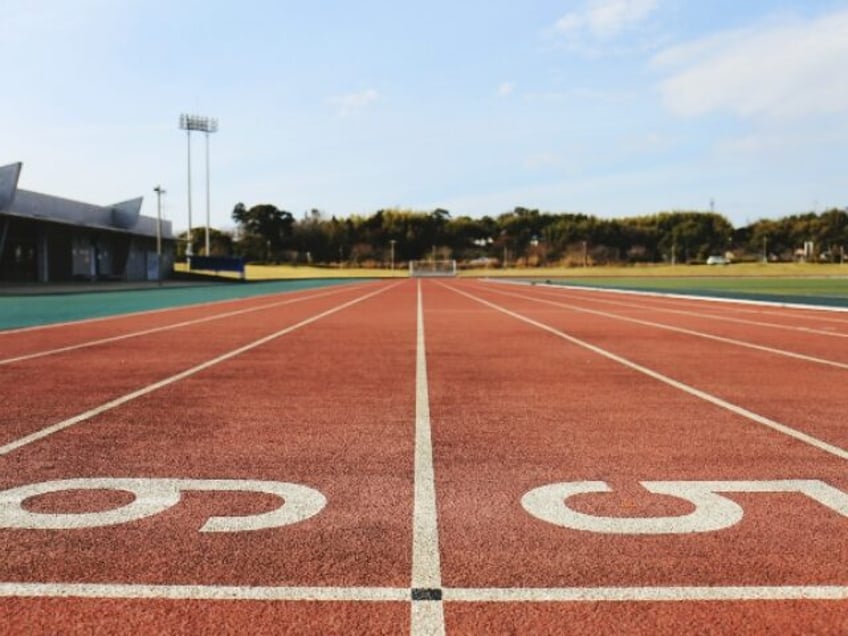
x=779 y=270
x=771 y=270
x=782 y=282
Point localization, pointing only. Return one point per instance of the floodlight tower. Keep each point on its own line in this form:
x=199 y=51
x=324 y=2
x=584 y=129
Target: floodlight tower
x=205 y=125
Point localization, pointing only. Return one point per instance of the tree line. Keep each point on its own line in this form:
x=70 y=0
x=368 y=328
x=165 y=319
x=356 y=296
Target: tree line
x=522 y=237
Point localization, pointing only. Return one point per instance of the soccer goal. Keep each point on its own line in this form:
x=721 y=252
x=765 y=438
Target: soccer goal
x=417 y=269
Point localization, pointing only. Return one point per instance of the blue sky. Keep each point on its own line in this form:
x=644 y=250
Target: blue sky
x=609 y=107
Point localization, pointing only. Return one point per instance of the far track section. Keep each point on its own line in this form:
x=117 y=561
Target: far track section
x=793 y=377
x=62 y=373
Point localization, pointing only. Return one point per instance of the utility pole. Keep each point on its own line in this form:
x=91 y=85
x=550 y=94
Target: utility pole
x=159 y=190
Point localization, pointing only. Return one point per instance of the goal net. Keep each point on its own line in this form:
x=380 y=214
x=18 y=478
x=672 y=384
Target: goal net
x=418 y=269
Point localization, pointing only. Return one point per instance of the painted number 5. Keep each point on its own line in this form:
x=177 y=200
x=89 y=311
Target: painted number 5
x=713 y=511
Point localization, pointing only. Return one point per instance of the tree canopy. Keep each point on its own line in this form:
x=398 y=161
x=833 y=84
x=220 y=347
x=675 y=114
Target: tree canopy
x=523 y=236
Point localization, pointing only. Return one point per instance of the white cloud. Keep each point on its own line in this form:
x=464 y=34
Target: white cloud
x=354 y=102
x=506 y=89
x=786 y=70
x=605 y=19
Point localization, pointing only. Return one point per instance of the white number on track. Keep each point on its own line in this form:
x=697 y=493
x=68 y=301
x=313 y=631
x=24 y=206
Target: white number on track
x=712 y=510
x=153 y=496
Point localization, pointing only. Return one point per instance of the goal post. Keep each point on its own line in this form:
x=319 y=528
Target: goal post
x=418 y=269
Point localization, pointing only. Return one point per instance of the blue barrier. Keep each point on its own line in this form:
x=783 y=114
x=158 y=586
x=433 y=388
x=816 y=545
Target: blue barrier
x=217 y=264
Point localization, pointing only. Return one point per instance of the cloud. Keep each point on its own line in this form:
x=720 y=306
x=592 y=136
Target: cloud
x=506 y=89
x=354 y=102
x=776 y=70
x=605 y=19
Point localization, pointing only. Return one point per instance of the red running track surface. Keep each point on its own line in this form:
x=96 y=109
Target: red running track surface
x=524 y=386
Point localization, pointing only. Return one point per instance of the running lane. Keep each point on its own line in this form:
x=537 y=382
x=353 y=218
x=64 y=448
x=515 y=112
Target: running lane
x=48 y=389
x=319 y=420
x=802 y=391
x=31 y=340
x=827 y=318
x=792 y=331
x=518 y=411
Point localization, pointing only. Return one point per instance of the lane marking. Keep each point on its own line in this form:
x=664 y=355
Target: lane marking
x=714 y=299
x=683 y=330
x=712 y=512
x=108 y=406
x=132 y=591
x=427 y=610
x=177 y=325
x=650 y=594
x=155 y=495
x=715 y=316
x=202 y=592
x=703 y=395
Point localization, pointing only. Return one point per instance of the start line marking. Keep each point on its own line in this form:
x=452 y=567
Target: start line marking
x=393 y=594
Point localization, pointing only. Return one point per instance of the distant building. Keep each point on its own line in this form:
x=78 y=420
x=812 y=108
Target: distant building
x=45 y=238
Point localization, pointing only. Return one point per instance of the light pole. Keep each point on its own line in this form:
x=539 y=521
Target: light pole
x=392 y=242
x=159 y=190
x=205 y=125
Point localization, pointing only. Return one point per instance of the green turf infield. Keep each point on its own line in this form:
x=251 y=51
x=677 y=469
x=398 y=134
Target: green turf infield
x=30 y=309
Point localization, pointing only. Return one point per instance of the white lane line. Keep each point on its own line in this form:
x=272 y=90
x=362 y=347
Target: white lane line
x=707 y=397
x=454 y=595
x=711 y=299
x=688 y=332
x=144 y=312
x=641 y=594
x=176 y=325
x=82 y=417
x=715 y=316
x=202 y=592
x=427 y=613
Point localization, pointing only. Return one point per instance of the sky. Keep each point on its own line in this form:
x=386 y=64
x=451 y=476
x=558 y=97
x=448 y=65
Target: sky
x=613 y=108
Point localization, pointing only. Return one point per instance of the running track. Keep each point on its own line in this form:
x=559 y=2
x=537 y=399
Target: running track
x=450 y=456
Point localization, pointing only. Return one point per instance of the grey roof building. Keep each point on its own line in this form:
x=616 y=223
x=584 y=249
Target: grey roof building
x=46 y=238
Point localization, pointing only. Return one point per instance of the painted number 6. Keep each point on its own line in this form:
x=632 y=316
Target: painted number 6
x=153 y=496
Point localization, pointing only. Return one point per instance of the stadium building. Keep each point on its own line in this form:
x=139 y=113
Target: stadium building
x=45 y=238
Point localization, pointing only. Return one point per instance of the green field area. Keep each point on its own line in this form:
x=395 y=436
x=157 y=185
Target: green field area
x=777 y=270
x=817 y=285
x=804 y=283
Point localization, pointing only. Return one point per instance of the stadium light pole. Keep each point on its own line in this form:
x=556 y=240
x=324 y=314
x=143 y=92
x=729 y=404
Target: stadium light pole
x=159 y=190
x=393 y=241
x=205 y=125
